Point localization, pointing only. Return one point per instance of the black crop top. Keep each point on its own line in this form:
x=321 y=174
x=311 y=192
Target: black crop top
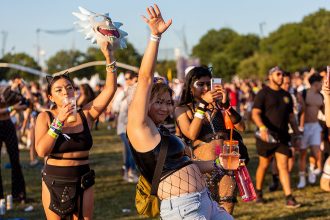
x=175 y=157
x=81 y=141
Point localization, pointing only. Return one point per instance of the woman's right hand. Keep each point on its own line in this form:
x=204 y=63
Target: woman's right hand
x=211 y=96
x=107 y=52
x=155 y=21
x=65 y=111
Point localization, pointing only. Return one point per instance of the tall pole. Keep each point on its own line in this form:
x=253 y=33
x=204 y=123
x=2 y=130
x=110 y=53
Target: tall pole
x=4 y=39
x=38 y=46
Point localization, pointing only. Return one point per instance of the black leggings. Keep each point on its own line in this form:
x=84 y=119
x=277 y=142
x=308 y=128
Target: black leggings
x=8 y=136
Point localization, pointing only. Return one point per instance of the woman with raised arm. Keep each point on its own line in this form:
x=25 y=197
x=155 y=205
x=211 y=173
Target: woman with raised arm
x=200 y=118
x=67 y=179
x=182 y=189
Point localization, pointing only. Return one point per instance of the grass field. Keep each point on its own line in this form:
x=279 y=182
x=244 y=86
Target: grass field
x=114 y=198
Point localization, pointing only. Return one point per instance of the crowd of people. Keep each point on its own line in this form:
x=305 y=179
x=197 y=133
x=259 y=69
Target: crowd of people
x=189 y=119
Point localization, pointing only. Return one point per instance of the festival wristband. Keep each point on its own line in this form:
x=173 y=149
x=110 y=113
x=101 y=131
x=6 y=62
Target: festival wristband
x=52 y=133
x=200 y=111
x=263 y=128
x=112 y=67
x=55 y=130
x=199 y=115
x=202 y=106
x=154 y=38
x=10 y=109
x=216 y=164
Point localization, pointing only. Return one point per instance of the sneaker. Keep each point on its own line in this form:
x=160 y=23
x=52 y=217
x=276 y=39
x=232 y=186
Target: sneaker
x=302 y=181
x=292 y=203
x=311 y=176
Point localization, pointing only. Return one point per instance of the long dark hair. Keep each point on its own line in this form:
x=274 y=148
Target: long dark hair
x=194 y=74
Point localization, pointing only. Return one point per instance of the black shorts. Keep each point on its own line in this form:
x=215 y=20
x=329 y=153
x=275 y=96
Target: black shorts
x=265 y=149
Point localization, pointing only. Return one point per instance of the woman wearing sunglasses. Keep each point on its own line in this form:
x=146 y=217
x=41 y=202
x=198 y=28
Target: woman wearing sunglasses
x=67 y=178
x=200 y=119
x=182 y=188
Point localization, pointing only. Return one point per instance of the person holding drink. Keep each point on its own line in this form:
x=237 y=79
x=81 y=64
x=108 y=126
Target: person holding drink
x=64 y=138
x=200 y=118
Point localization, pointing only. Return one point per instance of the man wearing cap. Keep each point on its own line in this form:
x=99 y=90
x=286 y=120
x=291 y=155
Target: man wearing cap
x=272 y=111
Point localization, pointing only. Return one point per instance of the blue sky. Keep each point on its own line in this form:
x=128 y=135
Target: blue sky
x=21 y=19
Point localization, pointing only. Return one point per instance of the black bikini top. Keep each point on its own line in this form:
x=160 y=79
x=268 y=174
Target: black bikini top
x=175 y=157
x=72 y=142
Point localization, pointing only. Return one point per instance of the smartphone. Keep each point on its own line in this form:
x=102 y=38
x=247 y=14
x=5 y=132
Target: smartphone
x=215 y=82
x=328 y=77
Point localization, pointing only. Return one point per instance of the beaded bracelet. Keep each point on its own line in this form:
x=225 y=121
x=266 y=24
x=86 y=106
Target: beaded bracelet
x=111 y=66
x=154 y=38
x=57 y=124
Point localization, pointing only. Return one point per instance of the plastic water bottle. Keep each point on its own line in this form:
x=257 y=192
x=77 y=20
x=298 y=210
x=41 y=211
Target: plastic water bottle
x=244 y=183
x=271 y=139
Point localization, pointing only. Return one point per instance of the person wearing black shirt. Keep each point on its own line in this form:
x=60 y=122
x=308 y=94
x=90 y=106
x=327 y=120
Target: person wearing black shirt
x=272 y=111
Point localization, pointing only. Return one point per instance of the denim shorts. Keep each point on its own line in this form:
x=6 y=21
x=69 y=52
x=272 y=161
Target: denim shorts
x=198 y=205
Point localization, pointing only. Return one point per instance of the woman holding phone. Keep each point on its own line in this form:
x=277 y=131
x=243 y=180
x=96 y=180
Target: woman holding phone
x=200 y=119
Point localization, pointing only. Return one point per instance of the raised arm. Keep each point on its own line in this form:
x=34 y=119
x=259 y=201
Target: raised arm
x=137 y=115
x=326 y=93
x=97 y=106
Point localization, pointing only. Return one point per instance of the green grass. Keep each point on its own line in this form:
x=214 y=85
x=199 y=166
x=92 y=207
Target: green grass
x=112 y=194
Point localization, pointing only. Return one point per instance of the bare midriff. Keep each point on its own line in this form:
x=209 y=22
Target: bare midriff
x=188 y=179
x=68 y=162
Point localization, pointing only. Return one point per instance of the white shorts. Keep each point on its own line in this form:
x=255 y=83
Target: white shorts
x=312 y=135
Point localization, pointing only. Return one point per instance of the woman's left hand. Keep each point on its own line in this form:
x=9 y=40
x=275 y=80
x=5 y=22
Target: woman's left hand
x=155 y=21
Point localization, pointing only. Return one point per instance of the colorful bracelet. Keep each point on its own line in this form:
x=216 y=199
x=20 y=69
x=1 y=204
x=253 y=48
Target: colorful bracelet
x=200 y=111
x=111 y=66
x=57 y=124
x=154 y=38
x=10 y=109
x=262 y=128
x=52 y=133
x=216 y=163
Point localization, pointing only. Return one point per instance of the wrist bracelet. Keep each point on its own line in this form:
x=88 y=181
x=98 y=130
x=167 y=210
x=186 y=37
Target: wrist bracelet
x=57 y=124
x=199 y=115
x=202 y=105
x=200 y=111
x=52 y=133
x=154 y=38
x=216 y=163
x=111 y=65
x=263 y=128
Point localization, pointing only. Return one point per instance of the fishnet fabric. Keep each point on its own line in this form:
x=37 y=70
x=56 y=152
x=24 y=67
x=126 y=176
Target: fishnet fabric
x=187 y=180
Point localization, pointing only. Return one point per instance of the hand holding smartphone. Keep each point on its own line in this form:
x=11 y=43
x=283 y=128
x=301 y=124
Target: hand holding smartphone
x=215 y=82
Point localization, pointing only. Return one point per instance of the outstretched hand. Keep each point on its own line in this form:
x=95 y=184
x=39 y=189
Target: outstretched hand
x=155 y=21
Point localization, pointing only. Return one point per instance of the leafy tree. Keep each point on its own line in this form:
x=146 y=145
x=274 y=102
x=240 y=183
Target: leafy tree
x=163 y=66
x=63 y=60
x=20 y=59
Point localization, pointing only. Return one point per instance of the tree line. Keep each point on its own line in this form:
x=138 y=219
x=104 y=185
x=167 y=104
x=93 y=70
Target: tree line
x=293 y=46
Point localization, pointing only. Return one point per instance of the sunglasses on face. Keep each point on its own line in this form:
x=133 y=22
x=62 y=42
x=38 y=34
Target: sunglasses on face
x=200 y=85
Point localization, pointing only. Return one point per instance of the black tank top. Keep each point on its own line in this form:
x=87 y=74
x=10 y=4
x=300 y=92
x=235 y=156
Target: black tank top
x=175 y=157
x=81 y=141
